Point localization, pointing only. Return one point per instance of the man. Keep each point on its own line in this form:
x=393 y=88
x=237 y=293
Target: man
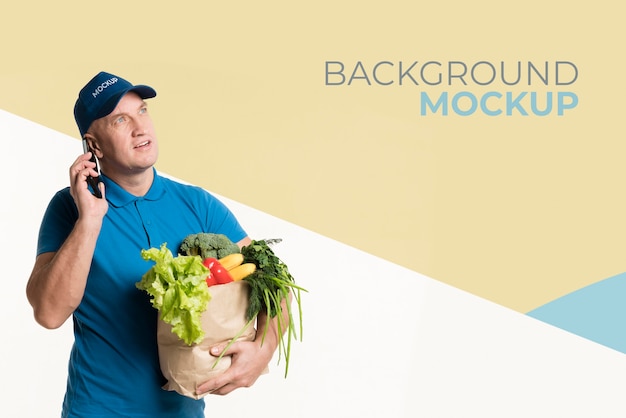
x=88 y=261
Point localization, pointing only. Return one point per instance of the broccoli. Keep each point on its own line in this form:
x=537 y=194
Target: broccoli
x=208 y=245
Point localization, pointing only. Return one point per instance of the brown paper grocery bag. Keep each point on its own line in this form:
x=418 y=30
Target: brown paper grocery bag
x=186 y=367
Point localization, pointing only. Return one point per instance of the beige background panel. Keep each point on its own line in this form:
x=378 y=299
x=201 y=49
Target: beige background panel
x=520 y=210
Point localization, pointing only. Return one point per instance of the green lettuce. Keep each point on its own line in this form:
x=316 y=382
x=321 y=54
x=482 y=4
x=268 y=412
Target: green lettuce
x=178 y=290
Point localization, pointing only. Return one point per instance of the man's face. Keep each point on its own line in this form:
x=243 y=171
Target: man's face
x=124 y=140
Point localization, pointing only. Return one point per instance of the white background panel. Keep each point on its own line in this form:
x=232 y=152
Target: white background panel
x=379 y=339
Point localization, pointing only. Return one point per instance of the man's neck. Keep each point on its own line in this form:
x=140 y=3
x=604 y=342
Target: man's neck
x=136 y=184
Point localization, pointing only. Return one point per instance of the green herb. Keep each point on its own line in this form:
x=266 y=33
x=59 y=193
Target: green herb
x=270 y=284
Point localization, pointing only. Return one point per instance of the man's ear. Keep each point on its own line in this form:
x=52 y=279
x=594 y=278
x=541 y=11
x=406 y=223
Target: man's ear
x=93 y=144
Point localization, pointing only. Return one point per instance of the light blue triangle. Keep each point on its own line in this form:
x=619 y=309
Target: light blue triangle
x=596 y=312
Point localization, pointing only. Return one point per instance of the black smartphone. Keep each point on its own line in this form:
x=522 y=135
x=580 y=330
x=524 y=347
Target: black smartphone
x=93 y=181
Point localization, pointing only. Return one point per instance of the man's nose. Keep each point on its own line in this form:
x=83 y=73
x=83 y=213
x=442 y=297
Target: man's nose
x=139 y=128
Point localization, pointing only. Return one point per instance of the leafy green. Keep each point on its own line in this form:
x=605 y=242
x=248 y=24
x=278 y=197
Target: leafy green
x=270 y=285
x=177 y=286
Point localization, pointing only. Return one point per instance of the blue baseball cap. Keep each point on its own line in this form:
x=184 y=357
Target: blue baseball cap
x=100 y=96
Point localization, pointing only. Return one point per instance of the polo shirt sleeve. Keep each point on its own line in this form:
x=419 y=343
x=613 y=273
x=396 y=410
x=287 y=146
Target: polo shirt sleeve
x=58 y=221
x=220 y=219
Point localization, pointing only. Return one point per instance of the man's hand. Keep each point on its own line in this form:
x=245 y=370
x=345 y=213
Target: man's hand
x=88 y=205
x=249 y=361
x=249 y=358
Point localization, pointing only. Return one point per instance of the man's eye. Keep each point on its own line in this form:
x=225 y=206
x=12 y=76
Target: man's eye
x=143 y=110
x=120 y=119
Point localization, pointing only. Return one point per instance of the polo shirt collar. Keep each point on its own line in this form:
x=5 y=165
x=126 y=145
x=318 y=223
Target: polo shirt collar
x=119 y=197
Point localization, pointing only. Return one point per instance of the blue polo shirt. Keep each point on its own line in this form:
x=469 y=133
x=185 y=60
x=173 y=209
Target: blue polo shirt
x=114 y=367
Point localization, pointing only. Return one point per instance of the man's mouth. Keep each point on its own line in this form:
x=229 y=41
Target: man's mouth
x=142 y=144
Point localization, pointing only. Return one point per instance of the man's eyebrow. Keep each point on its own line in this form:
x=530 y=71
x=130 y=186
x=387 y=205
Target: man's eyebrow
x=113 y=116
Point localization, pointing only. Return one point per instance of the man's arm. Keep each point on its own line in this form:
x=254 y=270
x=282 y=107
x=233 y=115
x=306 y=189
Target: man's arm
x=57 y=282
x=244 y=242
x=249 y=358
